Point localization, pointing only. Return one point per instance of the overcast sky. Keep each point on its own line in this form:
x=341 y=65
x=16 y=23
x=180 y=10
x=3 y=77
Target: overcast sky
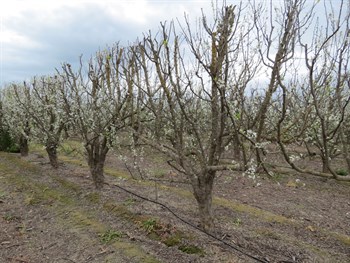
x=38 y=35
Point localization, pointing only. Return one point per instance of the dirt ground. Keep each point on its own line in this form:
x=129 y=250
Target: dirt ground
x=49 y=215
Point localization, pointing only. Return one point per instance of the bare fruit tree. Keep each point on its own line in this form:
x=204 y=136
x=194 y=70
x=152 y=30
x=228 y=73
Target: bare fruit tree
x=277 y=36
x=16 y=119
x=325 y=91
x=98 y=105
x=193 y=92
x=43 y=100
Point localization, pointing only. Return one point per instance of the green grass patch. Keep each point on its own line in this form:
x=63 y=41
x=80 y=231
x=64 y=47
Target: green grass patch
x=237 y=222
x=159 y=173
x=109 y=236
x=150 y=225
x=342 y=172
x=154 y=228
x=175 y=239
x=191 y=249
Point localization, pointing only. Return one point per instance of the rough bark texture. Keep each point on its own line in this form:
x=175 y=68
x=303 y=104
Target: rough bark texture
x=97 y=174
x=325 y=168
x=52 y=153
x=203 y=191
x=97 y=152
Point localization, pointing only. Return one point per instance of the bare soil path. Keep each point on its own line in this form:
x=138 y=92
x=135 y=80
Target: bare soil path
x=51 y=215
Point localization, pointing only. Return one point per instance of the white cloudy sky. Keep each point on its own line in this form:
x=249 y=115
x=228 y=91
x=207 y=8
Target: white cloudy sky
x=38 y=35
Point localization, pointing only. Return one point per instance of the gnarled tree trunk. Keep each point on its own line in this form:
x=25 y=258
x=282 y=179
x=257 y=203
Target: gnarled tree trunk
x=97 y=151
x=203 y=192
x=96 y=170
x=51 y=149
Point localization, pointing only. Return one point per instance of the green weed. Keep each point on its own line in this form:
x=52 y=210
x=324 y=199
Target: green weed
x=109 y=236
x=174 y=240
x=342 y=172
x=237 y=222
x=191 y=249
x=149 y=225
